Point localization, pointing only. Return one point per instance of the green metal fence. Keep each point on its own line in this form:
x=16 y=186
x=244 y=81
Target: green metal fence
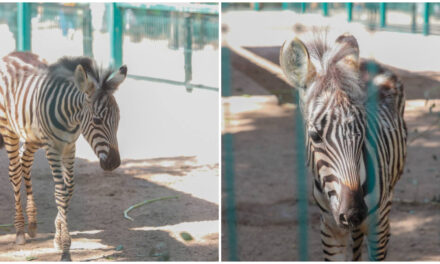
x=414 y=17
x=176 y=35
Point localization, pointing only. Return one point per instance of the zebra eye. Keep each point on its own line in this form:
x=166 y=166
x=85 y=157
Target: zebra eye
x=97 y=120
x=315 y=136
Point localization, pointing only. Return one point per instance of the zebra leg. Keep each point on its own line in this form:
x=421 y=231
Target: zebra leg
x=378 y=239
x=62 y=238
x=27 y=159
x=68 y=163
x=357 y=236
x=334 y=241
x=15 y=175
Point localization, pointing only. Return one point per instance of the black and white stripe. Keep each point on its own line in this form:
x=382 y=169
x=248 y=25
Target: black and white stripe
x=49 y=106
x=355 y=138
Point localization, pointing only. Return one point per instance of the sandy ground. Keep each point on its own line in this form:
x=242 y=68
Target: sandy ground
x=260 y=116
x=168 y=141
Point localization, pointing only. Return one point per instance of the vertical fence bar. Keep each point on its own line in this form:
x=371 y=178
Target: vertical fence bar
x=426 y=19
x=87 y=32
x=301 y=175
x=349 y=12
x=256 y=6
x=115 y=31
x=23 y=27
x=413 y=17
x=303 y=7
x=325 y=9
x=371 y=158
x=383 y=14
x=229 y=164
x=188 y=52
x=284 y=6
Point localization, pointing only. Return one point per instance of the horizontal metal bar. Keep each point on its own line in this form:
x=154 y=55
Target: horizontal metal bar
x=153 y=79
x=179 y=7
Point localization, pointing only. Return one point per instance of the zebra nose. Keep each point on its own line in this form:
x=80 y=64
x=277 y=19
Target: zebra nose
x=352 y=210
x=352 y=217
x=112 y=161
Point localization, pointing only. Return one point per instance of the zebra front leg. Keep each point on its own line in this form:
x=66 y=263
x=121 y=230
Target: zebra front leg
x=334 y=240
x=27 y=159
x=378 y=237
x=62 y=238
x=15 y=174
x=357 y=235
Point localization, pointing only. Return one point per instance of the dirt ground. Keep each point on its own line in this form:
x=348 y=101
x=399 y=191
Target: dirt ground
x=150 y=169
x=260 y=116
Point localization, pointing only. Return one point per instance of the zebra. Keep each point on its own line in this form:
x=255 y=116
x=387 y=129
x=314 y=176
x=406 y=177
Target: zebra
x=48 y=106
x=356 y=152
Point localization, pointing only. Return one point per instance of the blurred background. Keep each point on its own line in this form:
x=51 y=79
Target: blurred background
x=263 y=214
x=168 y=131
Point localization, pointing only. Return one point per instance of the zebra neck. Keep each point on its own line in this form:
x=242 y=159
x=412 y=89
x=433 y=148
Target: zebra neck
x=79 y=103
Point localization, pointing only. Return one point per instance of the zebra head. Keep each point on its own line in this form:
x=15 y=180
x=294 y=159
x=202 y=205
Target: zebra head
x=331 y=100
x=100 y=117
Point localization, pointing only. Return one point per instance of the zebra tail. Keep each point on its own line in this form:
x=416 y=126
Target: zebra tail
x=2 y=143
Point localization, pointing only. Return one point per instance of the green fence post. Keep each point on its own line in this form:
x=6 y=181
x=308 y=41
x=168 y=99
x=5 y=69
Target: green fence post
x=256 y=6
x=229 y=164
x=23 y=27
x=115 y=31
x=303 y=7
x=413 y=17
x=371 y=136
x=284 y=6
x=188 y=52
x=325 y=9
x=383 y=14
x=426 y=19
x=349 y=12
x=301 y=184
x=87 y=32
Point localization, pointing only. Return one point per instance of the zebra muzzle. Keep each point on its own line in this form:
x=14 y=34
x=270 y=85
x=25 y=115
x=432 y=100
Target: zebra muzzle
x=111 y=161
x=353 y=210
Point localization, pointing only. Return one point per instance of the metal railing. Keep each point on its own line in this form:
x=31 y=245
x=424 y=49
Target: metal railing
x=383 y=9
x=115 y=27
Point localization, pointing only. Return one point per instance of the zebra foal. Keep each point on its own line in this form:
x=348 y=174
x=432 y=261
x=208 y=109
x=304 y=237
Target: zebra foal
x=356 y=152
x=49 y=106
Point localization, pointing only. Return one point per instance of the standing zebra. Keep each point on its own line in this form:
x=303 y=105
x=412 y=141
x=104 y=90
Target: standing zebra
x=355 y=165
x=49 y=106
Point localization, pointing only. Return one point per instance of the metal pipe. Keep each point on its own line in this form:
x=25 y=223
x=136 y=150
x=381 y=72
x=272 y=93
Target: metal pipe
x=23 y=27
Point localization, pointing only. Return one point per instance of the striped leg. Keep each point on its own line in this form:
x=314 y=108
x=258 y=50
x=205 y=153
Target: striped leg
x=358 y=237
x=62 y=238
x=15 y=174
x=334 y=241
x=27 y=159
x=378 y=241
x=68 y=163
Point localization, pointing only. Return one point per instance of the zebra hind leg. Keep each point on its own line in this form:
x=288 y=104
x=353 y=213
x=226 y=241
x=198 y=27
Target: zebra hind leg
x=27 y=159
x=11 y=142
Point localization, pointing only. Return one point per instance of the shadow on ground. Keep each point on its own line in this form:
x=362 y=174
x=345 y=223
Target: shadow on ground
x=96 y=222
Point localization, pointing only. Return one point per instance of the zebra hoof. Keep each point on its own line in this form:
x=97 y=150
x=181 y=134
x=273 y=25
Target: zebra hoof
x=66 y=256
x=20 y=239
x=32 y=229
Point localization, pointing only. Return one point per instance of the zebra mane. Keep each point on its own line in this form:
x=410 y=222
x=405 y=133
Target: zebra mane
x=332 y=74
x=65 y=68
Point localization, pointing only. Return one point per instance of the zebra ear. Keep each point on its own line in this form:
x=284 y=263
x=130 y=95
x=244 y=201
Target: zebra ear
x=295 y=62
x=117 y=78
x=81 y=80
x=352 y=58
